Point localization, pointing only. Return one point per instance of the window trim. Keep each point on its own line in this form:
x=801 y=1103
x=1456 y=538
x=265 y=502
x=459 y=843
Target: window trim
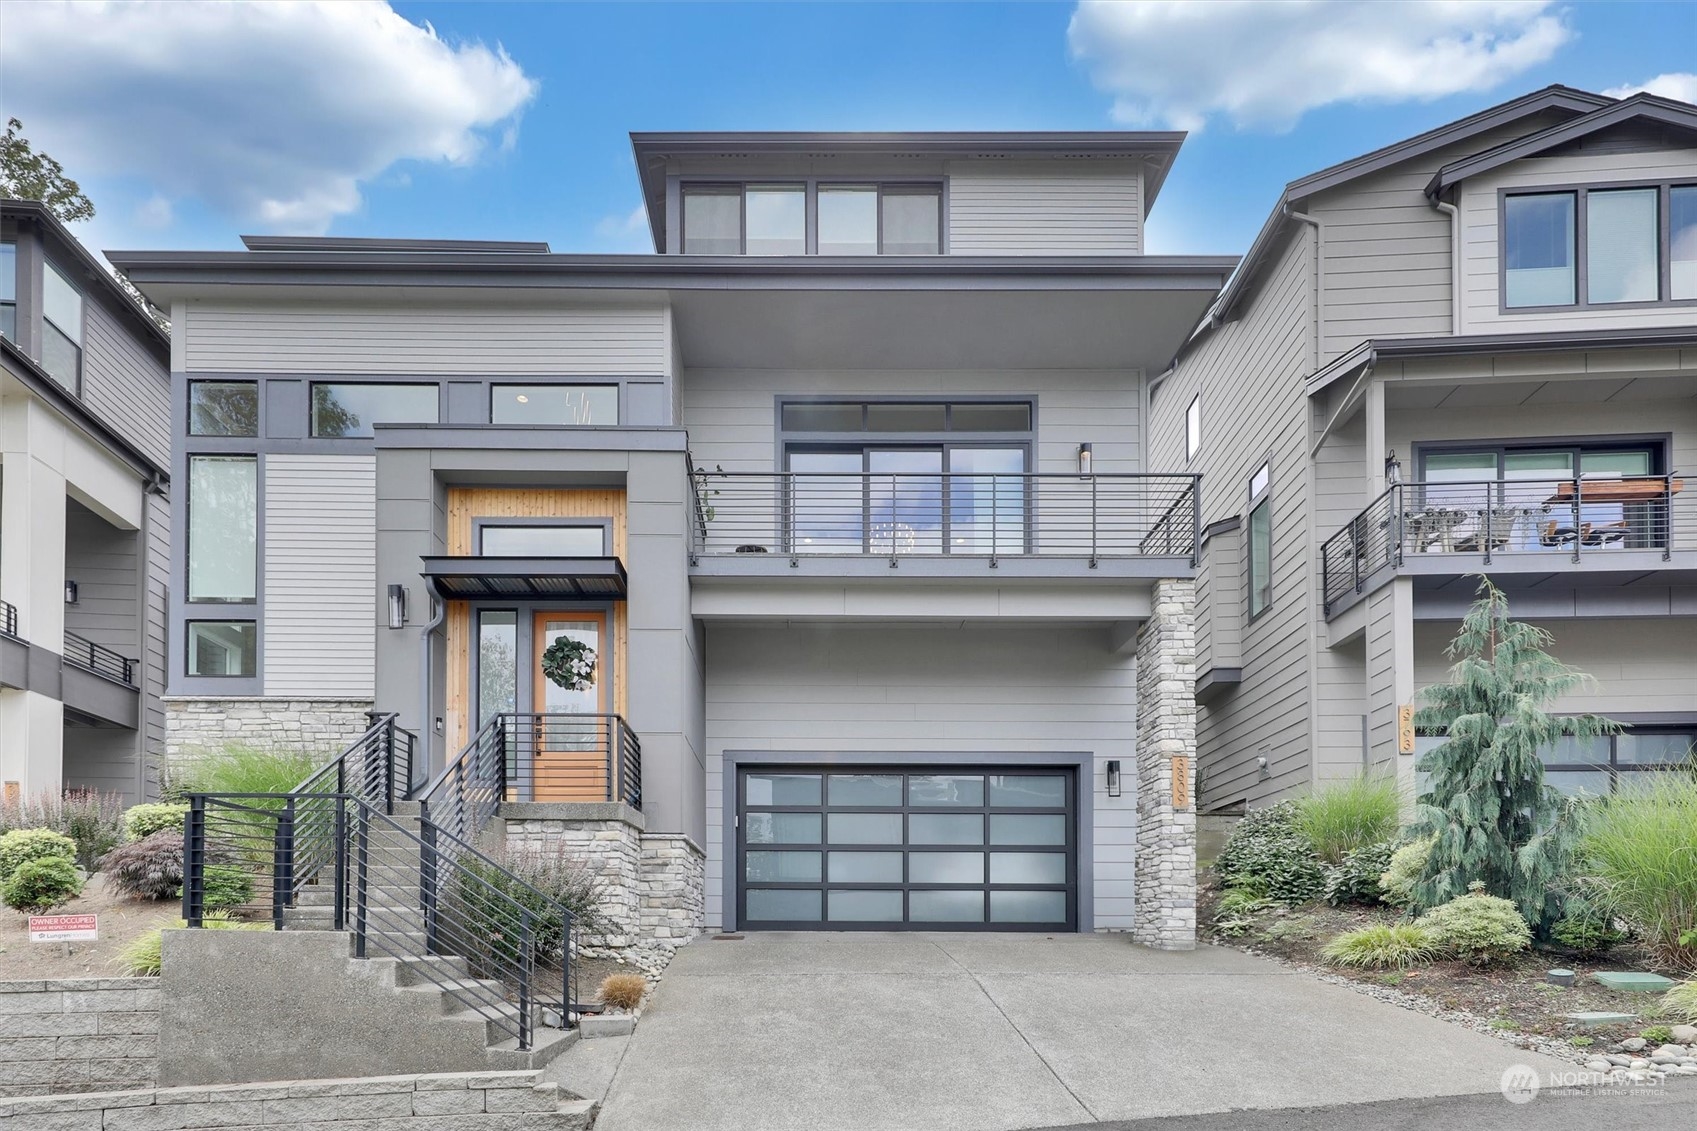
x=481 y=523
x=1581 y=231
x=1193 y=427
x=190 y=601
x=811 y=187
x=1257 y=500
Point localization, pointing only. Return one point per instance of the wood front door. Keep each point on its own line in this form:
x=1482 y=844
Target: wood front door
x=570 y=756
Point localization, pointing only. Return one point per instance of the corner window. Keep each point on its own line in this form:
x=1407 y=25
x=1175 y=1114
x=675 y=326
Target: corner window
x=1193 y=427
x=542 y=540
x=61 y=332
x=572 y=405
x=223 y=408
x=9 y=291
x=1260 y=543
x=1600 y=246
x=1538 y=250
x=223 y=528
x=351 y=410
x=222 y=648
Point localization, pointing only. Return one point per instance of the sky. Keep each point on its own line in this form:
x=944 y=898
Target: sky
x=191 y=124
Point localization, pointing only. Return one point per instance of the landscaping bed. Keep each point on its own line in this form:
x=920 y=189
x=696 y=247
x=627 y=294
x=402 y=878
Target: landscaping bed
x=122 y=919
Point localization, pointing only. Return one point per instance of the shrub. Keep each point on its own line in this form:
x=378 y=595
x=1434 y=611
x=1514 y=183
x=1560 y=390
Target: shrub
x=142 y=821
x=1658 y=1035
x=38 y=886
x=243 y=769
x=226 y=887
x=1585 y=931
x=151 y=868
x=491 y=902
x=141 y=956
x=1348 y=815
x=1381 y=946
x=1408 y=864
x=1238 y=901
x=1680 y=1003
x=1268 y=852
x=20 y=846
x=1638 y=863
x=1356 y=879
x=93 y=819
x=1478 y=928
x=623 y=991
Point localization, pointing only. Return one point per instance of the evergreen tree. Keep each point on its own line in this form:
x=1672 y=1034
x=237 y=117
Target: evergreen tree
x=1495 y=818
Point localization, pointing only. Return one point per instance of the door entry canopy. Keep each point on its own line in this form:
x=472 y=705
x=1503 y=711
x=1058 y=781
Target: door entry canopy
x=479 y=578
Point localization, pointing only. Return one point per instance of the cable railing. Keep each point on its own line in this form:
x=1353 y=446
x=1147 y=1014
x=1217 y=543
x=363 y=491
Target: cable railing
x=945 y=514
x=451 y=916
x=1547 y=520
x=99 y=659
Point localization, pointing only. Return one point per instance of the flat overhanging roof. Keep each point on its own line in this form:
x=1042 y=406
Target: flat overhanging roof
x=484 y=578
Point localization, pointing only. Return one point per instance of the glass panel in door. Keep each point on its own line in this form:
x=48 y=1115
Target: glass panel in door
x=1615 y=524
x=987 y=502
x=905 y=492
x=570 y=752
x=1459 y=488
x=827 y=512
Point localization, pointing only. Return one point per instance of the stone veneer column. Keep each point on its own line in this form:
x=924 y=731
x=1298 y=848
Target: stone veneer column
x=1165 y=914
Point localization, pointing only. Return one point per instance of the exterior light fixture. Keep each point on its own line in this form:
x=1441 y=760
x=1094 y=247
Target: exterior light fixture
x=70 y=592
x=1393 y=469
x=1084 y=459
x=1113 y=777
x=397 y=606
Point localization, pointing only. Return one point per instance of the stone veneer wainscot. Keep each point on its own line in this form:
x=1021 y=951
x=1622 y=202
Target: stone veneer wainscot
x=200 y=724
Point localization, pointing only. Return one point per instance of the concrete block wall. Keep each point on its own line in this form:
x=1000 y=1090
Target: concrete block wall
x=472 y=1101
x=78 y=1035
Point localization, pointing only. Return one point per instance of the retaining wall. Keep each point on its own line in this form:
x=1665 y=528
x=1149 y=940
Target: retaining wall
x=78 y=1035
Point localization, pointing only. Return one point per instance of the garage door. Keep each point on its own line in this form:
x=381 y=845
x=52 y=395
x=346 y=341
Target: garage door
x=909 y=848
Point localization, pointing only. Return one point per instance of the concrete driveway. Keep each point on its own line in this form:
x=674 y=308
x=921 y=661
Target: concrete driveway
x=858 y=1032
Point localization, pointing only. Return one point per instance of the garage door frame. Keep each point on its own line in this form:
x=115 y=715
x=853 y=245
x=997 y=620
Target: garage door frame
x=1081 y=762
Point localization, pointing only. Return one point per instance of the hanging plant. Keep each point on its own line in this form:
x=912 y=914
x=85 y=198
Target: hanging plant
x=569 y=663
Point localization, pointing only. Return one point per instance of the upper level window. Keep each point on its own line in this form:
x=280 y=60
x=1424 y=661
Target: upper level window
x=9 y=291
x=351 y=410
x=849 y=219
x=1260 y=542
x=223 y=528
x=223 y=408
x=905 y=416
x=554 y=404
x=1193 y=427
x=61 y=336
x=1600 y=247
x=540 y=540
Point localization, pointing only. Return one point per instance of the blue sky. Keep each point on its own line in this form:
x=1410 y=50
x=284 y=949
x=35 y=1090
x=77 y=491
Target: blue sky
x=188 y=127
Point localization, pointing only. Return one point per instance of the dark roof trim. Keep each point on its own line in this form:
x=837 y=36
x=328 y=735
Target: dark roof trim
x=1639 y=106
x=1565 y=98
x=60 y=236
x=339 y=243
x=36 y=379
x=653 y=149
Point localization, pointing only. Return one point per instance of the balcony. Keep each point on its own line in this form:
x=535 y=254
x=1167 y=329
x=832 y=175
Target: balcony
x=1632 y=525
x=99 y=659
x=944 y=525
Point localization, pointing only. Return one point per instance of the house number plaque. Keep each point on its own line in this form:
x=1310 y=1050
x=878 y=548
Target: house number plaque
x=1181 y=782
x=1405 y=729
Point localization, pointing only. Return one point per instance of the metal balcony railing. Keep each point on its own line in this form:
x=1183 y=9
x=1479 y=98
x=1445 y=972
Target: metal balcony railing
x=950 y=514
x=8 y=619
x=99 y=659
x=1547 y=520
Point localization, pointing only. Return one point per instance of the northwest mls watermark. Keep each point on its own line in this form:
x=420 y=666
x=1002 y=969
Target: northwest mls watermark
x=1521 y=1084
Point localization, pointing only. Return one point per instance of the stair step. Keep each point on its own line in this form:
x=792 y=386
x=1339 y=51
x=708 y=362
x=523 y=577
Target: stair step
x=429 y=969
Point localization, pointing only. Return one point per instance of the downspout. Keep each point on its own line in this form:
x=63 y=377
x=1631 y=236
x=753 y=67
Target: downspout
x=1319 y=249
x=1454 y=214
x=427 y=727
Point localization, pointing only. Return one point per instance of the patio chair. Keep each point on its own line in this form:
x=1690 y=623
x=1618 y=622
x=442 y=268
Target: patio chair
x=1554 y=535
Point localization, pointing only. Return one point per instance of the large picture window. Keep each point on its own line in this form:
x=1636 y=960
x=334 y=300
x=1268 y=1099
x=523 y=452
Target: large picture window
x=570 y=405
x=351 y=410
x=223 y=408
x=1599 y=246
x=223 y=528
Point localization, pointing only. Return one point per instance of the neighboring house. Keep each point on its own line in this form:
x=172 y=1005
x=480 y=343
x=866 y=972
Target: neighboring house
x=85 y=534
x=1471 y=352
x=847 y=489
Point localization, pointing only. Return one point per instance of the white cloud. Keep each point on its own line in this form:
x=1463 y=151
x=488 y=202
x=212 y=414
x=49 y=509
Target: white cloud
x=271 y=114
x=1264 y=63
x=154 y=212
x=1678 y=85
x=626 y=231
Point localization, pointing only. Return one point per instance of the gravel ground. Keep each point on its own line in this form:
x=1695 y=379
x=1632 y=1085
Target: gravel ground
x=121 y=919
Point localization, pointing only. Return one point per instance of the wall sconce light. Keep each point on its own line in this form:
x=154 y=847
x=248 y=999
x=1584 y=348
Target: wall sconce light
x=397 y=606
x=70 y=592
x=1084 y=459
x=1393 y=469
x=1113 y=777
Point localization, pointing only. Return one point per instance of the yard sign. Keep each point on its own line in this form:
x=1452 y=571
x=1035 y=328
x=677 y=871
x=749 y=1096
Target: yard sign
x=64 y=928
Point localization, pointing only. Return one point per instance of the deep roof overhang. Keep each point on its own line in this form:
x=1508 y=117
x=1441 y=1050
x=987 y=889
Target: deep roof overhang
x=653 y=150
x=21 y=367
x=513 y=579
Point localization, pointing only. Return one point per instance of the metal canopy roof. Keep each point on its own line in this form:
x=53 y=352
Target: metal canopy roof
x=483 y=578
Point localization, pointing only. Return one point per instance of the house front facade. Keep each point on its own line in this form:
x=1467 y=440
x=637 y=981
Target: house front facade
x=824 y=546
x=1473 y=352
x=84 y=519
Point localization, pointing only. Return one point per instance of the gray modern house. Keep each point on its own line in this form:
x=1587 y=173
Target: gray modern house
x=848 y=493
x=1474 y=351
x=85 y=534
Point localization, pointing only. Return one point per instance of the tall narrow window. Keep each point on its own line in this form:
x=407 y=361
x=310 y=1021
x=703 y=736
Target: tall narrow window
x=1193 y=427
x=9 y=291
x=223 y=528
x=1622 y=236
x=497 y=663
x=1538 y=250
x=1260 y=543
x=713 y=220
x=61 y=333
x=1682 y=242
x=776 y=219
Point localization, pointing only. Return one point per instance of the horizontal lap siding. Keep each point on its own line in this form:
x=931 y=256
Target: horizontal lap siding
x=911 y=689
x=1035 y=208
x=427 y=340
x=320 y=575
x=157 y=579
x=125 y=384
x=1480 y=236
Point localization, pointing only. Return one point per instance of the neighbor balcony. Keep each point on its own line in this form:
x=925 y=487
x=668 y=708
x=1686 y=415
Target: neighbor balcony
x=1624 y=525
x=944 y=525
